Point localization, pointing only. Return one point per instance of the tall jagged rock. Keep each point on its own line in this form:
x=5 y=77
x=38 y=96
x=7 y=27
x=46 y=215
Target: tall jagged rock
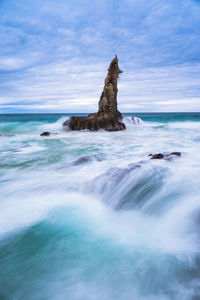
x=108 y=117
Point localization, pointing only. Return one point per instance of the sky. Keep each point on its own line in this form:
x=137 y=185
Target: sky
x=54 y=55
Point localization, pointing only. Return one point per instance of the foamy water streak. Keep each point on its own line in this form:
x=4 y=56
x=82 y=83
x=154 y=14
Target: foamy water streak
x=88 y=215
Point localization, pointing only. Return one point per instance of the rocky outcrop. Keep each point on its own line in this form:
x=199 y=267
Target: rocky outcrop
x=165 y=156
x=108 y=117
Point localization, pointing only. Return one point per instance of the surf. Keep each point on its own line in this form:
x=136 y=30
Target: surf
x=89 y=214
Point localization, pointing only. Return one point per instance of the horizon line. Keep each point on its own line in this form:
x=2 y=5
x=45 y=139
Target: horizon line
x=144 y=112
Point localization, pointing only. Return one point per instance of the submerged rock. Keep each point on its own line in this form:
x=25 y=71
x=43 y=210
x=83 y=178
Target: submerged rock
x=6 y=135
x=165 y=156
x=82 y=160
x=130 y=187
x=108 y=117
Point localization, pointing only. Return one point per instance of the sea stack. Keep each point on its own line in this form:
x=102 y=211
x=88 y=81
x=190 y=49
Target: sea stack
x=108 y=117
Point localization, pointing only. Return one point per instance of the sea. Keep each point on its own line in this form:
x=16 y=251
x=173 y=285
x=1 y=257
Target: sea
x=90 y=216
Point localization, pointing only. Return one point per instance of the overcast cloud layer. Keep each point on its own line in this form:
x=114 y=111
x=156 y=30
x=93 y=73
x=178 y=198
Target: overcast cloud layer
x=54 y=54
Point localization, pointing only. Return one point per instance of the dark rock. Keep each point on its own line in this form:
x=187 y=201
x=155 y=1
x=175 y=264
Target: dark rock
x=108 y=117
x=46 y=133
x=165 y=156
x=157 y=156
x=176 y=154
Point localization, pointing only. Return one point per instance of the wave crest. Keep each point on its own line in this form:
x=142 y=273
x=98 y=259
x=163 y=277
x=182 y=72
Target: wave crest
x=132 y=121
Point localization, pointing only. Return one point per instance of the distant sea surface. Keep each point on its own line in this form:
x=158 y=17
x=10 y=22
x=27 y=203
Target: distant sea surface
x=88 y=215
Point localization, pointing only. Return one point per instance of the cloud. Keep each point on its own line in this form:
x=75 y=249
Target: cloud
x=54 y=55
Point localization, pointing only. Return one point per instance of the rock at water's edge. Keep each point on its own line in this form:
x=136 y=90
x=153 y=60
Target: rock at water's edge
x=165 y=156
x=108 y=117
x=47 y=133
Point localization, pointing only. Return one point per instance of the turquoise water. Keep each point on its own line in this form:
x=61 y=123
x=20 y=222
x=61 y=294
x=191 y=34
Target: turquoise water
x=79 y=221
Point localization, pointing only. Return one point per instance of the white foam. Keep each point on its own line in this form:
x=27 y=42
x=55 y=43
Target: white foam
x=20 y=206
x=53 y=127
x=21 y=212
x=132 y=121
x=30 y=149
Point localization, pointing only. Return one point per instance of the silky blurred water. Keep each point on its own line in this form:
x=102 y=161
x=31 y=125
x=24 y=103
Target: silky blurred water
x=88 y=215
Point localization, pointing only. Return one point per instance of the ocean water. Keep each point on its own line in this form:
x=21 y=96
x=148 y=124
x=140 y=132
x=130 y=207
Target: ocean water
x=87 y=215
